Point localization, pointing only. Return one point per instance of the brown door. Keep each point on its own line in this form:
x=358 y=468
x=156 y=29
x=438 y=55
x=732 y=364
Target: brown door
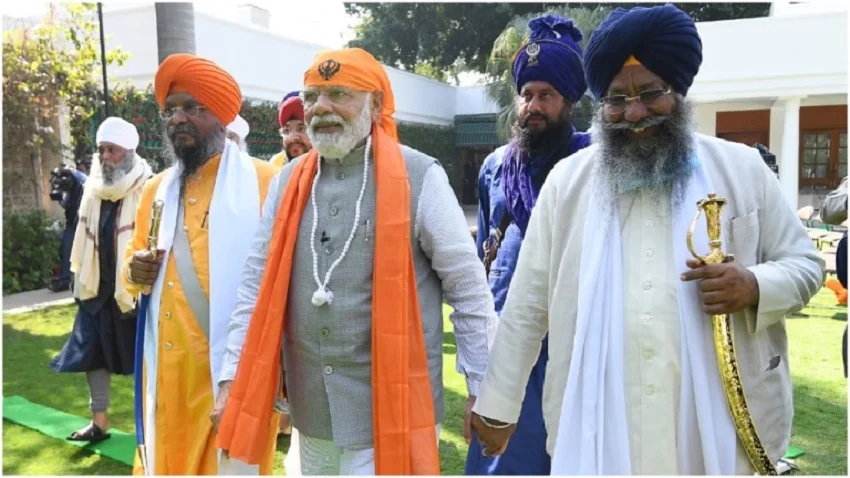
x=749 y=138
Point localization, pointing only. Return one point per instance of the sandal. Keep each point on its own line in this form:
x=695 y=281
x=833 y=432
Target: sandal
x=91 y=433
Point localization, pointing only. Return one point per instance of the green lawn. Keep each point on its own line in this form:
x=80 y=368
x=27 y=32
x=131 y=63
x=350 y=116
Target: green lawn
x=31 y=340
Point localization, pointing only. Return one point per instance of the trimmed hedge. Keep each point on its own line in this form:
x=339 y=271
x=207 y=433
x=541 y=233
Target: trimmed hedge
x=30 y=250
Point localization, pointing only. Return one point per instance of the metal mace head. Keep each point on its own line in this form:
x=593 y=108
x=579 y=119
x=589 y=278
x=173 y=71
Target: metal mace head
x=156 y=219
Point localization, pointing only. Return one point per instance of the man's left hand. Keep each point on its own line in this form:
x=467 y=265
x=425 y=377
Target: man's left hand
x=726 y=288
x=467 y=419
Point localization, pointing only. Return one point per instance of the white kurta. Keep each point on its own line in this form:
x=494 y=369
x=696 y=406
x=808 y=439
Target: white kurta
x=763 y=233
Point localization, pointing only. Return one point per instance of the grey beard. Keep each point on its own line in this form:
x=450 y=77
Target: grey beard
x=193 y=158
x=112 y=173
x=658 y=162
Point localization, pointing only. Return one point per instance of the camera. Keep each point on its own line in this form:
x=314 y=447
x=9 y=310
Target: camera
x=768 y=157
x=61 y=182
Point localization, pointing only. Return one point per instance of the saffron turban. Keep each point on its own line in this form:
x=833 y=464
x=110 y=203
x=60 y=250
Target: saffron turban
x=553 y=55
x=117 y=131
x=291 y=108
x=664 y=39
x=240 y=127
x=207 y=82
x=357 y=69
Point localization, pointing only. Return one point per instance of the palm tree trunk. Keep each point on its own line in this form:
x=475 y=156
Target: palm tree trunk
x=175 y=29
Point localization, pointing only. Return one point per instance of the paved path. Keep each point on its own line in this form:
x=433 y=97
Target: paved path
x=35 y=299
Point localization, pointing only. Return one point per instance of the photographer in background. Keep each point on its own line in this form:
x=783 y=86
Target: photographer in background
x=67 y=189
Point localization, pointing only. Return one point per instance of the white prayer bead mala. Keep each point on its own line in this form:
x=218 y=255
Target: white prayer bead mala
x=322 y=295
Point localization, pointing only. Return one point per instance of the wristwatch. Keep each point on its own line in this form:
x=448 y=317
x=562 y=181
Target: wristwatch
x=494 y=423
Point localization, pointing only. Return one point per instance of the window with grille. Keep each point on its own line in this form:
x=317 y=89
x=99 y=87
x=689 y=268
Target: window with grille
x=823 y=157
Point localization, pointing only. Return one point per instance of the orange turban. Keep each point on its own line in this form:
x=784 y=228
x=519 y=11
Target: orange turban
x=357 y=69
x=213 y=87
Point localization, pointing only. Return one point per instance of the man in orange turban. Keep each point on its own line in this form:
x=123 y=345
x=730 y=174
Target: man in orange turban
x=212 y=195
x=360 y=241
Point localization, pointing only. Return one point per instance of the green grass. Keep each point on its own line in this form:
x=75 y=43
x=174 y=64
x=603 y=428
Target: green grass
x=32 y=339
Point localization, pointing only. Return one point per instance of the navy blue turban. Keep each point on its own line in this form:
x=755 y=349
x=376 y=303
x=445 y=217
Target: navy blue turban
x=664 y=39
x=289 y=95
x=553 y=55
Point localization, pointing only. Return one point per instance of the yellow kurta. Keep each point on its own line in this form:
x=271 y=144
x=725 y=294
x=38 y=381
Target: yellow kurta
x=185 y=441
x=279 y=160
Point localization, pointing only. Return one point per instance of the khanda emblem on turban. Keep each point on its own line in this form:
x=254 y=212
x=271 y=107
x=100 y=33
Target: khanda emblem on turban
x=328 y=69
x=533 y=49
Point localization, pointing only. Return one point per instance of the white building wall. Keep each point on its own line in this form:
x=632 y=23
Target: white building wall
x=266 y=65
x=473 y=100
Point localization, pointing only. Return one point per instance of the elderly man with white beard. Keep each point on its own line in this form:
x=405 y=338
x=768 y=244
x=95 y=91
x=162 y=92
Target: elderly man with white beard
x=102 y=340
x=360 y=241
x=632 y=385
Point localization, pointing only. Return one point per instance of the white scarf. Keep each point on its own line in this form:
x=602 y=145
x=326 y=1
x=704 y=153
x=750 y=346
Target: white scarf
x=85 y=258
x=233 y=220
x=593 y=436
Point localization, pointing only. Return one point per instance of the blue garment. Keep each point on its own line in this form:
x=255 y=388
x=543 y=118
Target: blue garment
x=102 y=337
x=526 y=453
x=553 y=55
x=664 y=39
x=523 y=175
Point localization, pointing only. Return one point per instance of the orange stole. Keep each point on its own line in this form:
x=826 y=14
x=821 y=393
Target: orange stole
x=401 y=391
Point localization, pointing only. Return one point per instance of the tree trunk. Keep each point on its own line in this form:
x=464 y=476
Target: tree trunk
x=175 y=29
x=37 y=173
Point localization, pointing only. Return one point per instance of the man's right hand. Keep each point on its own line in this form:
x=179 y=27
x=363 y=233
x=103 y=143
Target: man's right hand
x=144 y=267
x=493 y=441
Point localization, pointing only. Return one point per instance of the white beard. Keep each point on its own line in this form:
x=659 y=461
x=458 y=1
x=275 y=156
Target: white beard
x=338 y=145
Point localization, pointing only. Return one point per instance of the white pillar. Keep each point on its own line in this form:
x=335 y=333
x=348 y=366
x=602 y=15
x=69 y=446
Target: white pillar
x=789 y=161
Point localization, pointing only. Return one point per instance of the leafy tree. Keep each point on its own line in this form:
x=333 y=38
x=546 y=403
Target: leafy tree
x=503 y=89
x=434 y=34
x=45 y=67
x=439 y=34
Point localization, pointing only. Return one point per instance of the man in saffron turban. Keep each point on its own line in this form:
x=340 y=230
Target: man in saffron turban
x=360 y=241
x=212 y=195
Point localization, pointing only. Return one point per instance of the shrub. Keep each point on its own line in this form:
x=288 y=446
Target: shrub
x=30 y=250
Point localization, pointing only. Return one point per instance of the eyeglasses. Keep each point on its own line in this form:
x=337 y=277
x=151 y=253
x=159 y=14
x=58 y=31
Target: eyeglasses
x=616 y=104
x=286 y=130
x=337 y=96
x=191 y=111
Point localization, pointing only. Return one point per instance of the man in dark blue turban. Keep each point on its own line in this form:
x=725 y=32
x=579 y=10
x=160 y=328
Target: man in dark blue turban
x=549 y=80
x=633 y=386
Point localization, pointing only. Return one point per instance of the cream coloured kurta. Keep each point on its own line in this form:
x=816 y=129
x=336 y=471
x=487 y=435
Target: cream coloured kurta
x=652 y=353
x=763 y=233
x=185 y=441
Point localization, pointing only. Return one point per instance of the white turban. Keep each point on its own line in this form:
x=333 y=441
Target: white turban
x=240 y=127
x=117 y=131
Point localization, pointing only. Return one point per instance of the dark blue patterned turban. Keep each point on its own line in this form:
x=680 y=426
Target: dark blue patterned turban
x=664 y=39
x=553 y=55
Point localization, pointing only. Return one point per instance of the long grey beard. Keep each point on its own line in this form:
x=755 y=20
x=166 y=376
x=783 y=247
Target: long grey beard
x=194 y=158
x=112 y=173
x=657 y=163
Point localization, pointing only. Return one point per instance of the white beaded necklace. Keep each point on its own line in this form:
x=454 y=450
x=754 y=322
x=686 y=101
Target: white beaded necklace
x=322 y=295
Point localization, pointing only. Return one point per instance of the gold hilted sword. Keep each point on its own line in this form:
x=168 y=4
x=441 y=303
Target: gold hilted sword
x=724 y=342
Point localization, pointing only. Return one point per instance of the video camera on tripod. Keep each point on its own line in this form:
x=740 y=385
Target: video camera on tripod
x=61 y=182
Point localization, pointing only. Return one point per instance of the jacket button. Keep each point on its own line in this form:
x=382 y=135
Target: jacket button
x=328 y=370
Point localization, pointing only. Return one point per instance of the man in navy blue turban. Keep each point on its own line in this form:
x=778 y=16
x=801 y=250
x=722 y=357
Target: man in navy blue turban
x=549 y=80
x=633 y=386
